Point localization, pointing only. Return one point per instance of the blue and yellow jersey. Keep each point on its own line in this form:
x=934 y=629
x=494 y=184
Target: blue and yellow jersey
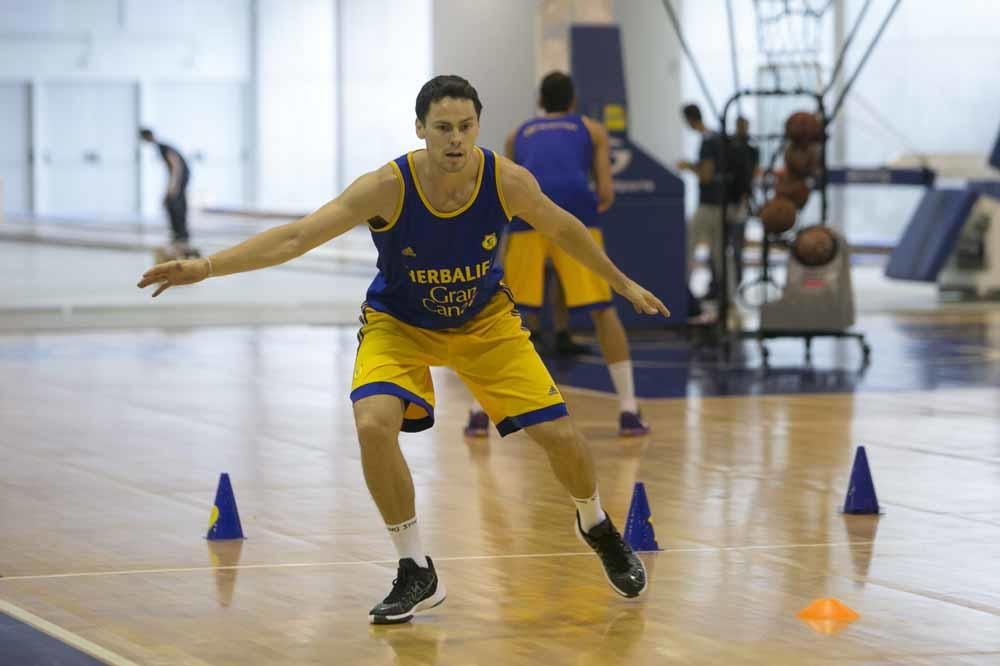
x=438 y=270
x=559 y=153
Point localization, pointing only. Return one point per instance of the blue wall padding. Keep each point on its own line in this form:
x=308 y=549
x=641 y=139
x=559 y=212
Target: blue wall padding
x=930 y=237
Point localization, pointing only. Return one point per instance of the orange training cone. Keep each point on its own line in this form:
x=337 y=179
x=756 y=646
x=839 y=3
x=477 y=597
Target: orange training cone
x=827 y=616
x=828 y=609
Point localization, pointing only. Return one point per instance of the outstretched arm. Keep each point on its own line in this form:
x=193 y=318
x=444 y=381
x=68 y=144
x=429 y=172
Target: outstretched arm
x=525 y=200
x=374 y=195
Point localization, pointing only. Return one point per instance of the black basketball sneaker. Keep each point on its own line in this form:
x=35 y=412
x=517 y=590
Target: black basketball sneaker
x=622 y=567
x=415 y=589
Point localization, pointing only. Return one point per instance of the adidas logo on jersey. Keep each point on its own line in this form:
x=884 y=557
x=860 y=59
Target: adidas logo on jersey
x=408 y=252
x=553 y=390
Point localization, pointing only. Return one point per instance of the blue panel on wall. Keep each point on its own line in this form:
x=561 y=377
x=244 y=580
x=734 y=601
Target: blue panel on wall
x=930 y=236
x=644 y=230
x=598 y=71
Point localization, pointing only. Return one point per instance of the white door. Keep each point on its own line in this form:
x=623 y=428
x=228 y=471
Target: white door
x=89 y=150
x=15 y=148
x=206 y=123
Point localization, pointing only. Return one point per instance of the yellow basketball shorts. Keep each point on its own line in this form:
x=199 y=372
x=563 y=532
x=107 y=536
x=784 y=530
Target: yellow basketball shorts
x=524 y=273
x=491 y=354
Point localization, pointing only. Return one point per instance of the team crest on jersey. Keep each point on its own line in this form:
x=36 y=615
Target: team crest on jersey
x=489 y=241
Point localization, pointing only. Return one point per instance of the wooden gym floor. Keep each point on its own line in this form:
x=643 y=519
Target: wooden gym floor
x=112 y=444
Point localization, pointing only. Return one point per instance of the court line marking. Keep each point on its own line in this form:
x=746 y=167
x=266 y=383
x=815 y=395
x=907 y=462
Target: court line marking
x=64 y=635
x=460 y=558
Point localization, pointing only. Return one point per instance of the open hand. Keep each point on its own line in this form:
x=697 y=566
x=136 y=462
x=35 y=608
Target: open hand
x=172 y=273
x=643 y=300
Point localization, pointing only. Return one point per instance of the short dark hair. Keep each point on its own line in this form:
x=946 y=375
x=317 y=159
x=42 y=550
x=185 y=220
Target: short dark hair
x=445 y=86
x=692 y=113
x=557 y=92
x=146 y=133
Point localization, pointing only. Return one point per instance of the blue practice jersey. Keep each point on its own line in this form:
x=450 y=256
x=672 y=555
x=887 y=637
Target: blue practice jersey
x=559 y=153
x=438 y=270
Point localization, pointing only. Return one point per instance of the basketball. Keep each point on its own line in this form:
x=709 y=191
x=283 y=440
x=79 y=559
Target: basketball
x=778 y=216
x=794 y=189
x=815 y=246
x=802 y=161
x=803 y=127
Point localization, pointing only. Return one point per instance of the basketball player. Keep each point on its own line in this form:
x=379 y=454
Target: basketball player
x=562 y=150
x=435 y=215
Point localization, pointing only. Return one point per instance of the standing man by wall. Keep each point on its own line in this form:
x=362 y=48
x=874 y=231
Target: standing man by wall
x=175 y=200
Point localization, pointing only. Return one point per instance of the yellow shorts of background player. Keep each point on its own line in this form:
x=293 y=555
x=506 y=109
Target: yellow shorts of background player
x=491 y=354
x=524 y=273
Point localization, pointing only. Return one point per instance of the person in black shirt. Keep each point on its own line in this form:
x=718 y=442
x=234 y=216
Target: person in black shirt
x=175 y=200
x=745 y=164
x=705 y=225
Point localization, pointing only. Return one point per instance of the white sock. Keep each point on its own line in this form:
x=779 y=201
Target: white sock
x=621 y=377
x=406 y=538
x=476 y=407
x=590 y=511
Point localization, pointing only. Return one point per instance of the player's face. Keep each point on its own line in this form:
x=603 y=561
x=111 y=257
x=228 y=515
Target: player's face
x=450 y=133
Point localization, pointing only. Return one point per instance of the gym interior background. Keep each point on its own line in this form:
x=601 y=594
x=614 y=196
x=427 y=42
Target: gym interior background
x=118 y=414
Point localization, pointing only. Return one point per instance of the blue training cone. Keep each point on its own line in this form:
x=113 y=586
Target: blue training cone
x=225 y=520
x=861 y=497
x=639 y=534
